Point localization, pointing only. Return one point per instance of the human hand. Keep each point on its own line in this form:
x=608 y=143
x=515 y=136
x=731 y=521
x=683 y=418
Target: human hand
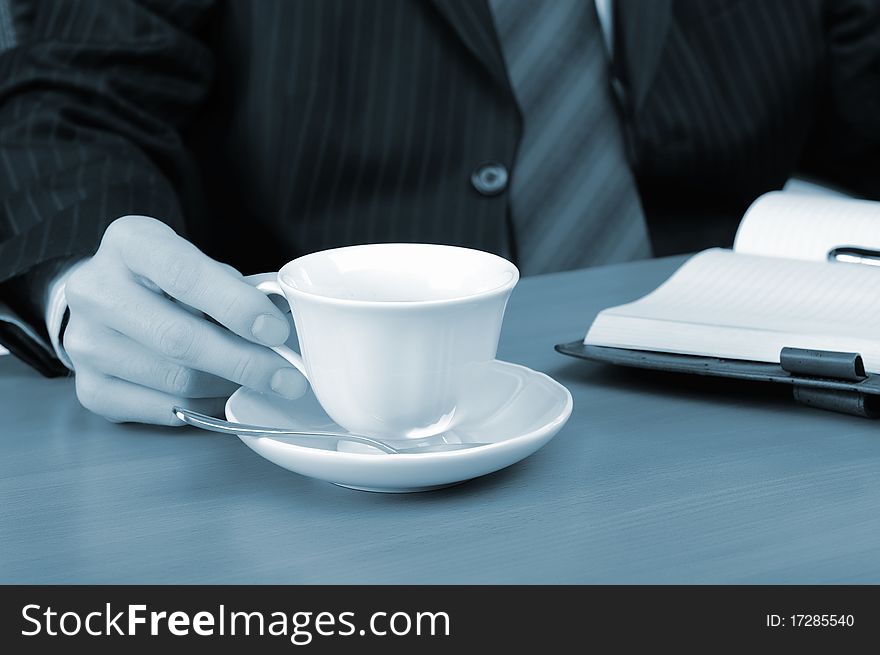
x=139 y=340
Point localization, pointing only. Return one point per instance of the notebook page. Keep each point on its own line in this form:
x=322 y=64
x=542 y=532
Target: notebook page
x=806 y=226
x=725 y=304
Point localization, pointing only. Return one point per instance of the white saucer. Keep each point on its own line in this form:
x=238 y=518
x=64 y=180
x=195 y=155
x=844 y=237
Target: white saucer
x=514 y=409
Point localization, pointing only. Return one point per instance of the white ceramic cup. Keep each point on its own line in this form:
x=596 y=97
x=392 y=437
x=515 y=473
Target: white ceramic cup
x=389 y=331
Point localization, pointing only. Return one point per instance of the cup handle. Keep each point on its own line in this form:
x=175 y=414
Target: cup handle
x=268 y=284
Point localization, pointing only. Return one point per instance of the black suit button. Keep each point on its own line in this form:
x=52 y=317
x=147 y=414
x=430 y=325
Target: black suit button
x=490 y=178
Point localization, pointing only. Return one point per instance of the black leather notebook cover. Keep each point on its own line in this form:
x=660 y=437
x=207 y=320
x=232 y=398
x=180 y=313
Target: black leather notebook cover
x=828 y=380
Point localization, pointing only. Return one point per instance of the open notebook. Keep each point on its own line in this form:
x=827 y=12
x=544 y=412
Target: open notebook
x=777 y=288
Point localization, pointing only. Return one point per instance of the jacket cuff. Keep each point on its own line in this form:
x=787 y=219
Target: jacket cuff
x=24 y=342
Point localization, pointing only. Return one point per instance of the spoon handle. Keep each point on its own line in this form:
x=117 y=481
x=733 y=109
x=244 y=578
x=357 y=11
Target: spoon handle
x=418 y=445
x=213 y=424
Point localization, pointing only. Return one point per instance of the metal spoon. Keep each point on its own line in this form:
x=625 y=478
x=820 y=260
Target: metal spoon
x=417 y=445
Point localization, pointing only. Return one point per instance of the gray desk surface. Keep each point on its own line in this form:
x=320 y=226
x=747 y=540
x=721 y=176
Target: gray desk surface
x=654 y=479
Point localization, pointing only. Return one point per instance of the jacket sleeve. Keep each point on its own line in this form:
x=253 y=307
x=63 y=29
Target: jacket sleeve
x=846 y=148
x=93 y=98
x=854 y=65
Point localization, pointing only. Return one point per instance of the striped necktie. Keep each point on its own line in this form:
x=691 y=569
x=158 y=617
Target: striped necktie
x=573 y=198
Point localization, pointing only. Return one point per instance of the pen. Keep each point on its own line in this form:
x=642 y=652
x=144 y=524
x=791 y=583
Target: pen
x=852 y=255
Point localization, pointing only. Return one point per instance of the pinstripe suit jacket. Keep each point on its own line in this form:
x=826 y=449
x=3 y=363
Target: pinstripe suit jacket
x=269 y=128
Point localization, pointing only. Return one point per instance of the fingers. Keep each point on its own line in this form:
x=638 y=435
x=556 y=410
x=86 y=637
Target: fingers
x=100 y=349
x=152 y=250
x=173 y=334
x=120 y=401
x=137 y=352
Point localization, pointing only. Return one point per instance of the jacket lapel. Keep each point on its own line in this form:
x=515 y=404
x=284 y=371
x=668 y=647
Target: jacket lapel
x=641 y=28
x=472 y=22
